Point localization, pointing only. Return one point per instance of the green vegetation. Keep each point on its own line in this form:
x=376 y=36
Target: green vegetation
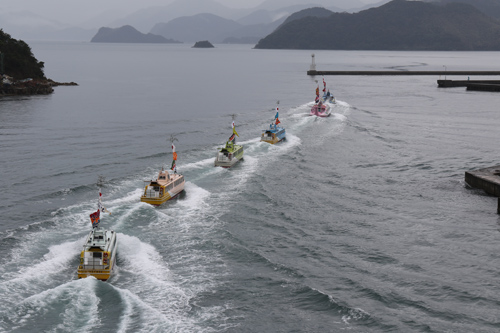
x=18 y=60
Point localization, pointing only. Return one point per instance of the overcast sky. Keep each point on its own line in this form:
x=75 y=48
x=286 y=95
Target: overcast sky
x=76 y=11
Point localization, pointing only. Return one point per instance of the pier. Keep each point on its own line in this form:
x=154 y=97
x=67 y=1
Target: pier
x=478 y=85
x=487 y=179
x=403 y=73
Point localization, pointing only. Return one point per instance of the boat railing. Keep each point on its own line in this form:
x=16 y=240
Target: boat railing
x=151 y=194
x=267 y=137
x=94 y=267
x=223 y=158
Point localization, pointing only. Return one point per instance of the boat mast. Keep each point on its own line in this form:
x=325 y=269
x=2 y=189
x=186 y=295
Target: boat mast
x=174 y=154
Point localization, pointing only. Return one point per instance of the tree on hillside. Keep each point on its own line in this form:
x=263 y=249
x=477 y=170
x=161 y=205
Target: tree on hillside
x=18 y=60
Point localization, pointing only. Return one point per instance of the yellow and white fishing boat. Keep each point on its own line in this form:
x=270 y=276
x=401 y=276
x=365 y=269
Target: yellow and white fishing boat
x=99 y=250
x=167 y=186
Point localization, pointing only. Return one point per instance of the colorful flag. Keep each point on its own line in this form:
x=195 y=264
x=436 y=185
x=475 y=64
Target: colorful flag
x=324 y=84
x=277 y=114
x=232 y=137
x=175 y=156
x=277 y=121
x=173 y=148
x=94 y=218
x=173 y=167
x=317 y=91
x=234 y=132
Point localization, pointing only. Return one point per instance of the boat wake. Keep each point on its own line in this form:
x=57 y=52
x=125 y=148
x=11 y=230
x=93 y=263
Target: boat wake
x=167 y=256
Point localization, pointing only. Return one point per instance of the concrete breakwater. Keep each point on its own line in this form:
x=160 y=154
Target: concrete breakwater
x=487 y=179
x=398 y=73
x=478 y=85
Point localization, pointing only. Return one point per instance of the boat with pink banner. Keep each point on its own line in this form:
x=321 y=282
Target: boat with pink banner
x=320 y=109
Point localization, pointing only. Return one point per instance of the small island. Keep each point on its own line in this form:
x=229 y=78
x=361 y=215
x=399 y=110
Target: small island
x=203 y=44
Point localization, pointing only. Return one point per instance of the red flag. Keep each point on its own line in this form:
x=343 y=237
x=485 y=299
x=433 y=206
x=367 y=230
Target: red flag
x=94 y=218
x=277 y=121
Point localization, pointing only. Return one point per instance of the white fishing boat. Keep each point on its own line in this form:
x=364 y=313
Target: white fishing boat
x=99 y=250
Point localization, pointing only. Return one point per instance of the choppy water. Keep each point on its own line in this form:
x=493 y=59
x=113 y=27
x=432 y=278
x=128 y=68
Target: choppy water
x=358 y=222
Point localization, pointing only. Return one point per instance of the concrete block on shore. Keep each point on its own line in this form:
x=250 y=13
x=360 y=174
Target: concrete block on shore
x=487 y=179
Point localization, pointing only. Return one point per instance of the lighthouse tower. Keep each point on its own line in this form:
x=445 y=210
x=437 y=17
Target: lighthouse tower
x=313 y=63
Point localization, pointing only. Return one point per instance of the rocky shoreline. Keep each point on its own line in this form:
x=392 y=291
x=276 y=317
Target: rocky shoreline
x=30 y=87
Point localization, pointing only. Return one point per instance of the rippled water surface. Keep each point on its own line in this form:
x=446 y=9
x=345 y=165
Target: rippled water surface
x=359 y=222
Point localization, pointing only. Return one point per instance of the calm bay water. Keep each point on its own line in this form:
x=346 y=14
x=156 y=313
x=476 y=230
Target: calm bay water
x=359 y=222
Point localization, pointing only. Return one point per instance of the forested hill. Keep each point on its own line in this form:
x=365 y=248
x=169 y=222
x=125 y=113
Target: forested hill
x=314 y=12
x=18 y=60
x=397 y=25
x=489 y=7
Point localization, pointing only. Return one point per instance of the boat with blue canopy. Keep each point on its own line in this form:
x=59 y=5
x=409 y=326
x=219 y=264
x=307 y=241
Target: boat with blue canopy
x=274 y=133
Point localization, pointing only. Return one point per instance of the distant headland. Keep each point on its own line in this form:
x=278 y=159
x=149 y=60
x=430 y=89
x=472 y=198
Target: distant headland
x=128 y=34
x=20 y=72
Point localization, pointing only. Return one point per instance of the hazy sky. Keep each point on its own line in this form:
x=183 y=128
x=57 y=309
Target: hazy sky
x=77 y=11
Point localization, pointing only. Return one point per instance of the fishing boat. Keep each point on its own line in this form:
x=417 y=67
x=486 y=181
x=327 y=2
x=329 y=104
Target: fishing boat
x=320 y=108
x=327 y=95
x=231 y=153
x=166 y=186
x=99 y=250
x=274 y=134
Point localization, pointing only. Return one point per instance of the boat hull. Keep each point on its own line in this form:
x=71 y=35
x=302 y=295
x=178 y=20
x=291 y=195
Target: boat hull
x=102 y=275
x=273 y=137
x=227 y=161
x=160 y=191
x=160 y=200
x=320 y=111
x=273 y=141
x=98 y=261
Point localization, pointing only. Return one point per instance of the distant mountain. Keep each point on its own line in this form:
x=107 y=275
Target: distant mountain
x=313 y=12
x=263 y=16
x=146 y=19
x=241 y=40
x=397 y=25
x=127 y=34
x=343 y=5
x=372 y=5
x=28 y=25
x=488 y=7
x=197 y=27
x=251 y=34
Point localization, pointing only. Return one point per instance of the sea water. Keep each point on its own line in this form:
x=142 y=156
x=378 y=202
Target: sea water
x=358 y=222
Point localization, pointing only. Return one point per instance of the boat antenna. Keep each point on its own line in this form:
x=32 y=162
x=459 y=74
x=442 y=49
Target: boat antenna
x=100 y=180
x=174 y=154
x=173 y=138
